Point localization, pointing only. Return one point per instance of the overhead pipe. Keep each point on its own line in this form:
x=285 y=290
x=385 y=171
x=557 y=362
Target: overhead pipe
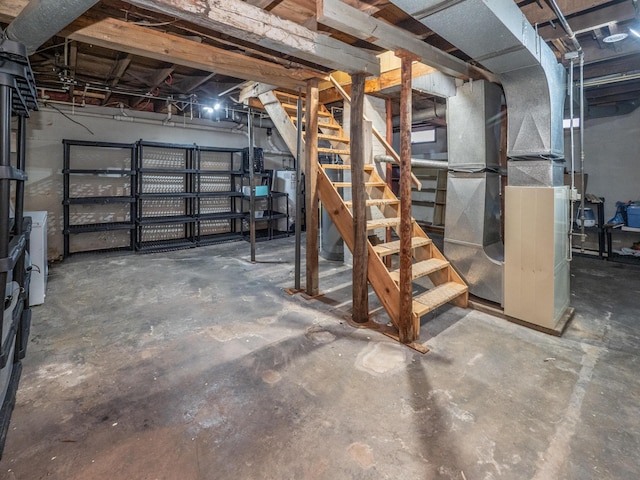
x=578 y=49
x=42 y=19
x=415 y=162
x=565 y=25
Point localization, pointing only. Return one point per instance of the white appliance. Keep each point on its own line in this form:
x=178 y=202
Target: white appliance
x=38 y=254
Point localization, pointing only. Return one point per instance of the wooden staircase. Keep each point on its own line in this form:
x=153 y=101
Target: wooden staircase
x=383 y=211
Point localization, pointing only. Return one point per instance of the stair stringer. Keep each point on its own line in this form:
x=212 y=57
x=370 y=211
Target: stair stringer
x=378 y=275
x=281 y=121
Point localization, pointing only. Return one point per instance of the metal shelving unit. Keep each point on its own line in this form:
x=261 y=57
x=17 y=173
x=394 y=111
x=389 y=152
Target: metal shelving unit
x=17 y=98
x=219 y=186
x=99 y=197
x=166 y=198
x=270 y=217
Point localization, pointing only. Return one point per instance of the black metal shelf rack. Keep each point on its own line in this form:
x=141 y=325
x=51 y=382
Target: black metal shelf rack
x=107 y=178
x=17 y=98
x=218 y=188
x=269 y=218
x=166 y=199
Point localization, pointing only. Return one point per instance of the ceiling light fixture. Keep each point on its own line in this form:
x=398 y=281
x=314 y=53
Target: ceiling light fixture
x=616 y=37
x=216 y=106
x=208 y=109
x=633 y=32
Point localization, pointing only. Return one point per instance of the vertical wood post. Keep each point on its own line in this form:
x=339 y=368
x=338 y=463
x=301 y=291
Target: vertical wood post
x=311 y=187
x=360 y=287
x=407 y=328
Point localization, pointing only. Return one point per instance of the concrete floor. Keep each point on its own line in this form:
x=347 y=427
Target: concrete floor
x=197 y=365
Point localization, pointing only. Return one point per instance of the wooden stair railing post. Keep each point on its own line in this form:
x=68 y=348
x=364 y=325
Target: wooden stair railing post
x=311 y=189
x=407 y=327
x=358 y=192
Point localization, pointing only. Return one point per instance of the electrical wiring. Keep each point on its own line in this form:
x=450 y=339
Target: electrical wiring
x=69 y=118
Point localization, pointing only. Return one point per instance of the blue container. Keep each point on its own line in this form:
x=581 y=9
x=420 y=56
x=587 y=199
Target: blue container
x=633 y=215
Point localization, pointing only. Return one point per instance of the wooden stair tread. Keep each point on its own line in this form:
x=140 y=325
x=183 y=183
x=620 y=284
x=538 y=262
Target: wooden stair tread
x=333 y=138
x=420 y=269
x=383 y=223
x=342 y=166
x=335 y=151
x=377 y=202
x=334 y=126
x=437 y=296
x=366 y=184
x=390 y=248
x=293 y=106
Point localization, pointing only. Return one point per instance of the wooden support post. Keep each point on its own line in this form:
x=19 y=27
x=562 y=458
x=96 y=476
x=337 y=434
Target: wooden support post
x=360 y=246
x=407 y=328
x=389 y=170
x=311 y=187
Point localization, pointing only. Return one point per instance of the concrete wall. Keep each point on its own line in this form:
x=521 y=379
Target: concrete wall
x=612 y=160
x=47 y=129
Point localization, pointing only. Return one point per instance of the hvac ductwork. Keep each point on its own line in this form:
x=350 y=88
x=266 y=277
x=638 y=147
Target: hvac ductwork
x=472 y=240
x=42 y=19
x=497 y=34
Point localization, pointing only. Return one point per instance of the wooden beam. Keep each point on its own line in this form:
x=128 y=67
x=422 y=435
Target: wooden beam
x=9 y=9
x=73 y=58
x=338 y=15
x=138 y=40
x=535 y=14
x=360 y=290
x=118 y=72
x=250 y=23
x=145 y=42
x=311 y=188
x=406 y=325
x=386 y=80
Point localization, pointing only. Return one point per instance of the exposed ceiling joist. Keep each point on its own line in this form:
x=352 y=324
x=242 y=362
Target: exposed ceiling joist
x=617 y=12
x=120 y=67
x=540 y=12
x=250 y=23
x=158 y=79
x=338 y=15
x=188 y=86
x=374 y=86
x=130 y=38
x=145 y=42
x=594 y=54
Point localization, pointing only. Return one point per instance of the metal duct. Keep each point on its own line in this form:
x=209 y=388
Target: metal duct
x=42 y=19
x=438 y=111
x=497 y=34
x=472 y=240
